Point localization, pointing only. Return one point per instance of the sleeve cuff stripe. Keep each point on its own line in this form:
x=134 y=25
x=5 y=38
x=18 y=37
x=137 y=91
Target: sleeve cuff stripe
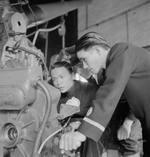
x=99 y=126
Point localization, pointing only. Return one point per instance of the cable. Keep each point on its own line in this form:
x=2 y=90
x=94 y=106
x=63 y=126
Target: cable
x=38 y=56
x=33 y=53
x=44 y=142
x=46 y=116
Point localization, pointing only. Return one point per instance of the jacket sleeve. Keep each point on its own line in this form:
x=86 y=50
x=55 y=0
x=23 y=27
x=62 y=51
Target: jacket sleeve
x=118 y=71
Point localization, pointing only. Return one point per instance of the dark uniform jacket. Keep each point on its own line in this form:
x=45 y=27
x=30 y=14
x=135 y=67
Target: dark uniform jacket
x=128 y=72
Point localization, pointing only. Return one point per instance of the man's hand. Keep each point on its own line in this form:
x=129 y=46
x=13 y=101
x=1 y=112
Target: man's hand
x=125 y=130
x=71 y=140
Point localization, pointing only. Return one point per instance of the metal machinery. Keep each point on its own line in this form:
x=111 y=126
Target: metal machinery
x=27 y=101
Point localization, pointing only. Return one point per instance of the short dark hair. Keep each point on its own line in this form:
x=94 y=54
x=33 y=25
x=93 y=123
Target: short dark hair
x=63 y=64
x=89 y=40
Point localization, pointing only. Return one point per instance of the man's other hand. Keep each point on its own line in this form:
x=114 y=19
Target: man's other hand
x=71 y=140
x=125 y=130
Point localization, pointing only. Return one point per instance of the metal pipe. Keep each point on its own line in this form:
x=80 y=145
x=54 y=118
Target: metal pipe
x=44 y=30
x=53 y=10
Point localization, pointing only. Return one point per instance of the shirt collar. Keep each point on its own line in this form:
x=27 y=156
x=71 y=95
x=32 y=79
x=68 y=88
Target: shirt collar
x=99 y=78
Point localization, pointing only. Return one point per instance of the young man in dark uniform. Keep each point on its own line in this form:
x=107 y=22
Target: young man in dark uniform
x=127 y=70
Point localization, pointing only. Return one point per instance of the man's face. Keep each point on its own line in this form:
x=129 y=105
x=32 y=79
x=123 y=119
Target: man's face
x=93 y=59
x=62 y=79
